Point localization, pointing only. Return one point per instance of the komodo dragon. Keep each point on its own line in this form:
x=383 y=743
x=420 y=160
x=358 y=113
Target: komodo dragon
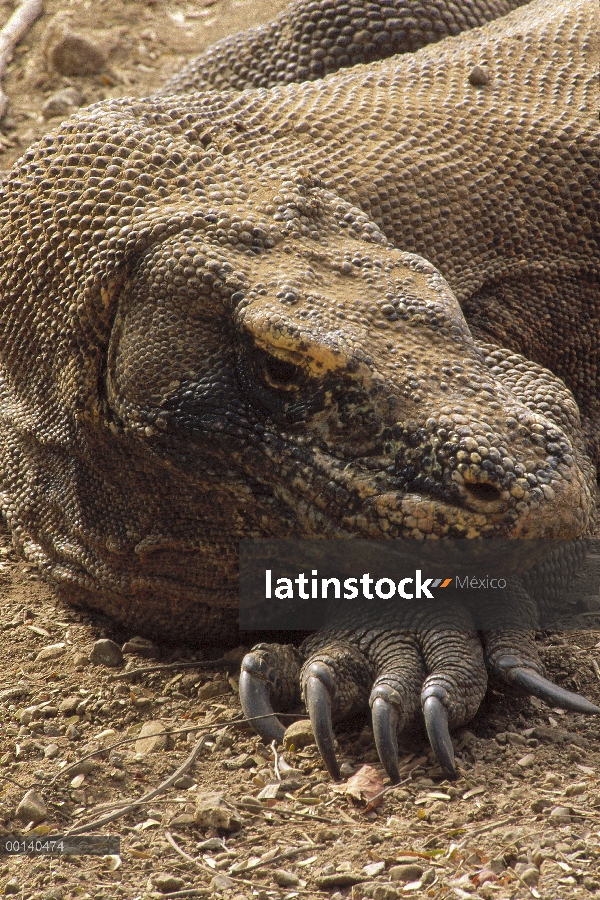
x=365 y=305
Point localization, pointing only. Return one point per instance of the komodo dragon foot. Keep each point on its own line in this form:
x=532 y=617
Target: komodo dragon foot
x=431 y=659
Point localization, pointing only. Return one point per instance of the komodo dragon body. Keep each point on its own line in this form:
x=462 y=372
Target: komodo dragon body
x=347 y=307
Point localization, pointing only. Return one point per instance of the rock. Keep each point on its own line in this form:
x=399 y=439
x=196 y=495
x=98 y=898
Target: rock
x=530 y=876
x=80 y=660
x=283 y=878
x=526 y=760
x=167 y=883
x=560 y=815
x=213 y=689
x=54 y=893
x=271 y=791
x=549 y=734
x=141 y=646
x=213 y=845
x=62 y=103
x=298 y=735
x=540 y=804
x=252 y=804
x=32 y=808
x=374 y=869
x=338 y=879
x=478 y=76
x=84 y=767
x=221 y=883
x=410 y=872
x=73 y=733
x=12 y=886
x=68 y=706
x=182 y=819
x=106 y=653
x=185 y=782
x=379 y=891
x=328 y=834
x=574 y=790
x=152 y=737
x=75 y=54
x=213 y=811
x=52 y=651
x=51 y=751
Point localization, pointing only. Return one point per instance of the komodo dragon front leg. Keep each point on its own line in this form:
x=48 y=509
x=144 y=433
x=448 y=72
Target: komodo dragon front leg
x=240 y=315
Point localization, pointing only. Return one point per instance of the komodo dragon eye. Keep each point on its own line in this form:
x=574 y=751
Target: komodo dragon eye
x=280 y=374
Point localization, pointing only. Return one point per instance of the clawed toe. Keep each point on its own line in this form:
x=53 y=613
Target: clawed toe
x=318 y=690
x=534 y=683
x=384 y=706
x=438 y=732
x=256 y=701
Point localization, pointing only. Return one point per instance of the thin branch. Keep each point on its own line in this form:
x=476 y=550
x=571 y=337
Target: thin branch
x=167 y=783
x=19 y=23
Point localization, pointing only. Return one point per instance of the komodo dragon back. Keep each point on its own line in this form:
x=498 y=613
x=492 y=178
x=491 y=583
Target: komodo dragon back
x=243 y=314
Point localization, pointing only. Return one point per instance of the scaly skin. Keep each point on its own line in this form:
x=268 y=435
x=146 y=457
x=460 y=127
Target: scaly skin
x=339 y=308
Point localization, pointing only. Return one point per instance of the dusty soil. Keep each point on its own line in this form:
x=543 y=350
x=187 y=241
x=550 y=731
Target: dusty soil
x=523 y=819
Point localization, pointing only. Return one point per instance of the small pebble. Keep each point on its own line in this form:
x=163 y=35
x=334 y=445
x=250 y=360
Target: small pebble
x=338 y=879
x=478 y=76
x=54 y=893
x=213 y=811
x=411 y=872
x=298 y=735
x=213 y=689
x=167 y=883
x=51 y=751
x=32 y=808
x=12 y=886
x=560 y=815
x=68 y=706
x=140 y=646
x=284 y=878
x=52 y=651
x=75 y=54
x=374 y=869
x=152 y=738
x=62 y=103
x=106 y=653
x=530 y=876
x=221 y=883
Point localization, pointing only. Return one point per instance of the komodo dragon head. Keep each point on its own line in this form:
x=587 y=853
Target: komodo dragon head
x=178 y=374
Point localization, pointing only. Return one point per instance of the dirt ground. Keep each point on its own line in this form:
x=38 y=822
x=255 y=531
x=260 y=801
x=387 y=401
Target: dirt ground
x=523 y=820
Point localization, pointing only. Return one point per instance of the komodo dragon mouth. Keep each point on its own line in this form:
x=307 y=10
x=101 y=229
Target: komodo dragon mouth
x=363 y=306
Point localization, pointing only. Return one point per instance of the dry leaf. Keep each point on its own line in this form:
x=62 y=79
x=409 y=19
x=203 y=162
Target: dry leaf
x=363 y=787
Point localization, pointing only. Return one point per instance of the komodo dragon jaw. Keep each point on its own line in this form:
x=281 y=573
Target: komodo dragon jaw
x=154 y=411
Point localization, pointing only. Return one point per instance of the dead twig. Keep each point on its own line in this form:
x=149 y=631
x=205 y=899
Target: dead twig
x=208 y=664
x=276 y=755
x=135 y=804
x=19 y=23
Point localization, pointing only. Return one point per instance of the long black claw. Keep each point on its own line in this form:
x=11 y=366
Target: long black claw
x=436 y=723
x=318 y=702
x=385 y=724
x=255 y=700
x=540 y=687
